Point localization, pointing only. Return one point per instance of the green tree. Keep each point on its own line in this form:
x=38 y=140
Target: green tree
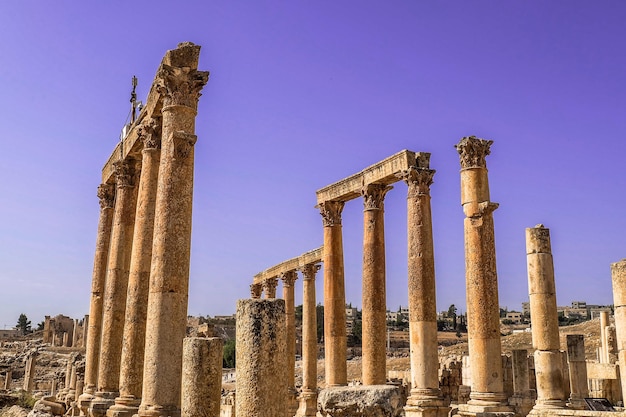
x=23 y=324
x=452 y=315
x=298 y=314
x=40 y=325
x=229 y=354
x=356 y=335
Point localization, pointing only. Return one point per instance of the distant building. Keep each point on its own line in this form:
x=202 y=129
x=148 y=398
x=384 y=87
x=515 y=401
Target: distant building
x=526 y=308
x=9 y=334
x=514 y=316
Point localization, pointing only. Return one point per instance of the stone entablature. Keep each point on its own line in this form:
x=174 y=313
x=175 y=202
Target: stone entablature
x=311 y=257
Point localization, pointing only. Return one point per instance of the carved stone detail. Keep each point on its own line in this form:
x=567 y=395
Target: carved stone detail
x=269 y=285
x=106 y=194
x=418 y=179
x=183 y=142
x=331 y=212
x=309 y=271
x=374 y=196
x=180 y=86
x=289 y=278
x=472 y=151
x=150 y=134
x=124 y=173
x=256 y=290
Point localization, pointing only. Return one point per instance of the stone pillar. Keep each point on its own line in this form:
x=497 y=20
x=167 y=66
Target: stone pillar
x=256 y=290
x=115 y=289
x=577 y=371
x=542 y=293
x=618 y=275
x=521 y=380
x=85 y=331
x=308 y=396
x=269 y=287
x=53 y=387
x=8 y=379
x=374 y=295
x=71 y=393
x=335 y=338
x=29 y=372
x=604 y=342
x=132 y=356
x=169 y=275
x=289 y=278
x=75 y=334
x=483 y=308
x=261 y=358
x=66 y=340
x=425 y=397
x=106 y=194
x=202 y=376
x=68 y=377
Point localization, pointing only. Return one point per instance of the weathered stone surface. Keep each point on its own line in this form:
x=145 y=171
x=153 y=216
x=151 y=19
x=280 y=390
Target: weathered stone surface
x=15 y=411
x=202 y=377
x=361 y=401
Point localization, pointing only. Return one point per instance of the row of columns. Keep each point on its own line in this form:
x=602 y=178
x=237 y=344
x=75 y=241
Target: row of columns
x=140 y=280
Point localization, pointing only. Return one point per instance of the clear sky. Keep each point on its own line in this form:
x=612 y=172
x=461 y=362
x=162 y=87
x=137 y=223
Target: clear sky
x=303 y=94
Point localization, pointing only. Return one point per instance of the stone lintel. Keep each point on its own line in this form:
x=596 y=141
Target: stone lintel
x=185 y=55
x=310 y=257
x=597 y=370
x=384 y=172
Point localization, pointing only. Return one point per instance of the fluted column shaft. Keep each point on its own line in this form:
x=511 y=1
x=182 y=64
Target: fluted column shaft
x=106 y=195
x=374 y=288
x=335 y=338
x=543 y=310
x=131 y=372
x=116 y=287
x=169 y=275
x=289 y=278
x=483 y=308
x=618 y=275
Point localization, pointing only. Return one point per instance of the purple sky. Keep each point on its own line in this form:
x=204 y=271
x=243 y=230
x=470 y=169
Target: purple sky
x=303 y=94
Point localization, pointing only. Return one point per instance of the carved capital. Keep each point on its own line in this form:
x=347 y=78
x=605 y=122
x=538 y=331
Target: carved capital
x=180 y=86
x=269 y=286
x=309 y=271
x=183 y=143
x=150 y=134
x=256 y=290
x=331 y=212
x=106 y=195
x=418 y=179
x=124 y=172
x=289 y=278
x=374 y=196
x=473 y=151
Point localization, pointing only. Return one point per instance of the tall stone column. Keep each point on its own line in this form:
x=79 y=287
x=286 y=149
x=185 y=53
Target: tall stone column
x=131 y=372
x=85 y=331
x=29 y=372
x=115 y=289
x=618 y=275
x=289 y=278
x=425 y=398
x=261 y=358
x=75 y=334
x=604 y=341
x=106 y=195
x=577 y=371
x=269 y=287
x=308 y=396
x=335 y=338
x=374 y=292
x=8 y=378
x=169 y=275
x=483 y=309
x=542 y=294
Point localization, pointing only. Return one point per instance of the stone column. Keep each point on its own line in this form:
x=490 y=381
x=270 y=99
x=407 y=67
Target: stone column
x=483 y=308
x=269 y=287
x=335 y=338
x=577 y=371
x=618 y=275
x=8 y=379
x=85 y=331
x=72 y=391
x=308 y=396
x=68 y=377
x=542 y=294
x=75 y=334
x=53 y=387
x=29 y=372
x=604 y=342
x=425 y=397
x=202 y=376
x=106 y=194
x=116 y=288
x=256 y=290
x=66 y=340
x=132 y=356
x=289 y=278
x=261 y=358
x=169 y=274
x=374 y=295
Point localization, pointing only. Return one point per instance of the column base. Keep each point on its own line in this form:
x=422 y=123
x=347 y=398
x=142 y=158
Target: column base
x=101 y=403
x=576 y=404
x=158 y=411
x=308 y=404
x=478 y=408
x=125 y=406
x=84 y=401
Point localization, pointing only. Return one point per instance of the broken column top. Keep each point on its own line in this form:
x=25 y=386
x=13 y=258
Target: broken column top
x=472 y=151
x=538 y=240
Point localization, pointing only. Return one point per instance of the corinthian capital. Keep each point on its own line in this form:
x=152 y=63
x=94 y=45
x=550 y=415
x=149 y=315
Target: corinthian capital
x=124 y=172
x=256 y=290
x=150 y=134
x=309 y=271
x=180 y=86
x=374 y=196
x=106 y=195
x=269 y=285
x=331 y=212
x=289 y=278
x=418 y=177
x=473 y=151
